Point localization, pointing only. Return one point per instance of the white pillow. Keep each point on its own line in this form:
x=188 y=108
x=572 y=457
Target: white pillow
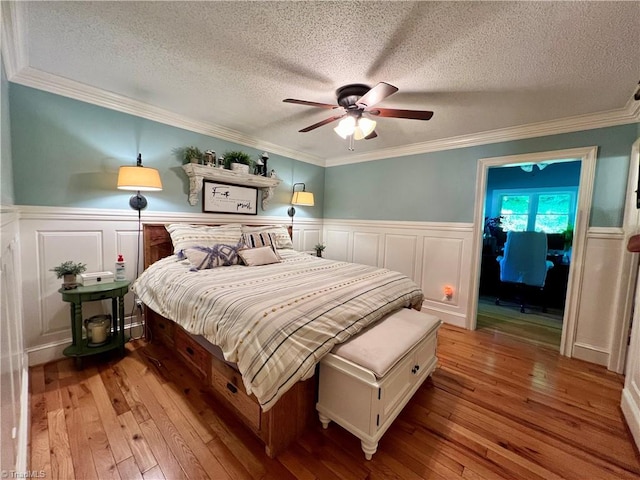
x=258 y=256
x=279 y=232
x=186 y=236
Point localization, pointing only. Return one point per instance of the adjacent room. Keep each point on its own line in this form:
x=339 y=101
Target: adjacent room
x=539 y=197
x=319 y=239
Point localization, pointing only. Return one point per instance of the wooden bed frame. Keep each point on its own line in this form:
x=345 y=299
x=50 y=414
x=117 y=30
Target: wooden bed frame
x=278 y=427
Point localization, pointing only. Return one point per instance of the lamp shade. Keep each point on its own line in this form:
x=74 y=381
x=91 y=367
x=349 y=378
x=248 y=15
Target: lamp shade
x=139 y=178
x=346 y=126
x=302 y=198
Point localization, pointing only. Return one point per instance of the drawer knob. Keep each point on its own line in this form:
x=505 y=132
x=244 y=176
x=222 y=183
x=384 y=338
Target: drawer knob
x=232 y=388
x=190 y=351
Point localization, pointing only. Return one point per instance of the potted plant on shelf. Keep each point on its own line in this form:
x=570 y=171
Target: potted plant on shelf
x=319 y=249
x=68 y=271
x=192 y=155
x=238 y=161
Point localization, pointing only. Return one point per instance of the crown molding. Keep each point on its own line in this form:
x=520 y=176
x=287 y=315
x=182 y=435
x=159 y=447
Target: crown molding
x=14 y=43
x=34 y=78
x=629 y=114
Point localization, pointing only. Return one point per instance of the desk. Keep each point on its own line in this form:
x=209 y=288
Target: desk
x=116 y=292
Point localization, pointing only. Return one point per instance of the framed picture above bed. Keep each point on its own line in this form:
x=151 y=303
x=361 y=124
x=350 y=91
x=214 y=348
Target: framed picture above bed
x=224 y=198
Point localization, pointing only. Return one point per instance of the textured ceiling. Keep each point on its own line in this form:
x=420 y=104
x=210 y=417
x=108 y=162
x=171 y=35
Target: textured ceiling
x=480 y=66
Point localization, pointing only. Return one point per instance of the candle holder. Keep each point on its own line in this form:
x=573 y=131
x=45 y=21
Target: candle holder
x=98 y=330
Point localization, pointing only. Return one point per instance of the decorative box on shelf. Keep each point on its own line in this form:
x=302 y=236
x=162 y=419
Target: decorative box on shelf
x=197 y=173
x=95 y=278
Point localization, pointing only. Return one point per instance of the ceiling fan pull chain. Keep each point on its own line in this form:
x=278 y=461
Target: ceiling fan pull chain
x=351 y=147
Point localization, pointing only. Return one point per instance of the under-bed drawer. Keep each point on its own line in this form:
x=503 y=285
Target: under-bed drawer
x=227 y=382
x=162 y=329
x=192 y=351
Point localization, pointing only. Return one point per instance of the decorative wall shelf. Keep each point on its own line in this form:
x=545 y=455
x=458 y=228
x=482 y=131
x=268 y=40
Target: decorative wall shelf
x=197 y=173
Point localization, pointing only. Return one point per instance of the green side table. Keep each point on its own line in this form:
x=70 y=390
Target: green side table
x=116 y=292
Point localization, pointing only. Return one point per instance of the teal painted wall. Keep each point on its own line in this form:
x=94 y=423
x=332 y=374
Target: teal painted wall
x=67 y=153
x=6 y=174
x=565 y=174
x=440 y=186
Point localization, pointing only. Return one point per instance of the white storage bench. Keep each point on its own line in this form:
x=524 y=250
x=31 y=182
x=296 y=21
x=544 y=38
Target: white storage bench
x=366 y=381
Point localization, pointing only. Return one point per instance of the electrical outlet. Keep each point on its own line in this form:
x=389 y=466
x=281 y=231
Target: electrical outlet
x=138 y=303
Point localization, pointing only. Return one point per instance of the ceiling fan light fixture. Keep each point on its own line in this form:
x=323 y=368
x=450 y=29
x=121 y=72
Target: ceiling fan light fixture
x=367 y=126
x=346 y=127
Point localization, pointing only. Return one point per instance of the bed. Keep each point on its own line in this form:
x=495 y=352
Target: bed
x=255 y=334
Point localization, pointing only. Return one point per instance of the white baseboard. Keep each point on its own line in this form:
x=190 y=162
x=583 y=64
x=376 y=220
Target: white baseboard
x=450 y=318
x=589 y=353
x=51 y=352
x=631 y=414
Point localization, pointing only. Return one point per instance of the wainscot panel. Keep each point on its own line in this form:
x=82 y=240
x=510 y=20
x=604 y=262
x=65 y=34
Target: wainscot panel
x=14 y=370
x=434 y=255
x=93 y=236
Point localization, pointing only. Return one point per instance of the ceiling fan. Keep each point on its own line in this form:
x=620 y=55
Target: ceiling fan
x=355 y=101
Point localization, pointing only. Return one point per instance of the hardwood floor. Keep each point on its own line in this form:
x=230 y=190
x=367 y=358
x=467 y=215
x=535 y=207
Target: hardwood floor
x=495 y=408
x=534 y=326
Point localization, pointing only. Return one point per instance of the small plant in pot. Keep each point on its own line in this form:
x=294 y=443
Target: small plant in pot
x=319 y=249
x=238 y=161
x=192 y=155
x=68 y=271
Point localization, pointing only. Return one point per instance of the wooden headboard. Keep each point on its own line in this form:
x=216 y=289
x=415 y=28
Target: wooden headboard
x=157 y=242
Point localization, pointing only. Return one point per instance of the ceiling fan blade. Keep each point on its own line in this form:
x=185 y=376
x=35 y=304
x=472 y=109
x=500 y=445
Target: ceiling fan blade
x=310 y=104
x=397 y=113
x=371 y=135
x=376 y=94
x=323 y=122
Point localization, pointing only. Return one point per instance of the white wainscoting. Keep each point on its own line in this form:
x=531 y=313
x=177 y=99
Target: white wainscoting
x=14 y=404
x=95 y=237
x=600 y=295
x=434 y=255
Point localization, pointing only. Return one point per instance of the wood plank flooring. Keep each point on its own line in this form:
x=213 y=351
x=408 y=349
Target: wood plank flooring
x=534 y=326
x=495 y=408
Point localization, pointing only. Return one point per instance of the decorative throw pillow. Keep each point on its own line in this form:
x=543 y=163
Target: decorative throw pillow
x=259 y=239
x=219 y=255
x=258 y=256
x=279 y=232
x=186 y=236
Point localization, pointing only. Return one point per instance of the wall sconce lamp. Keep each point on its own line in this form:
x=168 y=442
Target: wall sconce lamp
x=139 y=178
x=302 y=198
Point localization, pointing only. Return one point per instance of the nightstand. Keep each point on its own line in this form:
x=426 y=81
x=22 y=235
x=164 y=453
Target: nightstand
x=115 y=291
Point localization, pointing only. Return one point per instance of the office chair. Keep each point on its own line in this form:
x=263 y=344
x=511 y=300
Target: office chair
x=524 y=263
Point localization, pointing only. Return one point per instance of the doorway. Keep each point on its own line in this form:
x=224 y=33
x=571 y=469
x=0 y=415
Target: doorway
x=531 y=197
x=587 y=158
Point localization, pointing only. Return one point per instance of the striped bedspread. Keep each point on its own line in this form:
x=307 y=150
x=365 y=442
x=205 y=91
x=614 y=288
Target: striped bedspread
x=275 y=321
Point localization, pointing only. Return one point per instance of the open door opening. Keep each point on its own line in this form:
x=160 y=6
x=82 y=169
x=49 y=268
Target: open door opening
x=523 y=280
x=586 y=158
